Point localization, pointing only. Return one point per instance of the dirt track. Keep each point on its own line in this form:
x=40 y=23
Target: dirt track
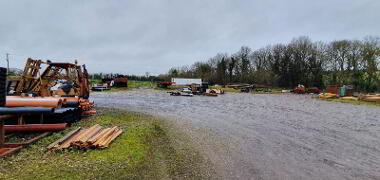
x=250 y=136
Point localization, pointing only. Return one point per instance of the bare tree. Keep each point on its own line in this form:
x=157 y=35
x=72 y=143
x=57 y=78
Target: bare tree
x=371 y=54
x=261 y=58
x=244 y=65
x=231 y=68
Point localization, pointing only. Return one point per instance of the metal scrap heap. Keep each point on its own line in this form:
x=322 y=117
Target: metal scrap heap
x=91 y=138
x=58 y=94
x=62 y=86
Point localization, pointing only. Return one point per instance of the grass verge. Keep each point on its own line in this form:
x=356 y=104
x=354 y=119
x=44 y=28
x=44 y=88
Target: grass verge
x=140 y=84
x=145 y=150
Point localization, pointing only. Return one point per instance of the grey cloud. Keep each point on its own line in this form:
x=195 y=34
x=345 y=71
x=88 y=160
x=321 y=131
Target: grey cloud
x=135 y=37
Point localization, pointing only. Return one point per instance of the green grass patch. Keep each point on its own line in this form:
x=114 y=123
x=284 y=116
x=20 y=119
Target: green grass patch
x=145 y=150
x=139 y=84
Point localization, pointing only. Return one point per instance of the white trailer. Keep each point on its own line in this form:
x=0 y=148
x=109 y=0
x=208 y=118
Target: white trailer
x=185 y=81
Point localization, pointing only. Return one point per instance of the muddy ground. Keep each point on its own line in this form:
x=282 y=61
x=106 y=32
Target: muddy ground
x=283 y=136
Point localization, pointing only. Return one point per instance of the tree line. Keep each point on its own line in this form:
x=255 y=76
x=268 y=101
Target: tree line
x=302 y=61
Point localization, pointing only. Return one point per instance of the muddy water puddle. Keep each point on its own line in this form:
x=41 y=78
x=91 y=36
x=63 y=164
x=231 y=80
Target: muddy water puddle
x=283 y=136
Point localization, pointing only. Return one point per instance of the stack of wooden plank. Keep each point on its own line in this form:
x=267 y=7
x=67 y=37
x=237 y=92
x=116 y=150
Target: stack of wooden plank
x=93 y=137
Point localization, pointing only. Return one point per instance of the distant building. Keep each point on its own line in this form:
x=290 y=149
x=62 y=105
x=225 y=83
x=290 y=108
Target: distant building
x=185 y=81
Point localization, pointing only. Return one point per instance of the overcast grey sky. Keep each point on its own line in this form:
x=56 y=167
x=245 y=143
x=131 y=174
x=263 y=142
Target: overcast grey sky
x=134 y=37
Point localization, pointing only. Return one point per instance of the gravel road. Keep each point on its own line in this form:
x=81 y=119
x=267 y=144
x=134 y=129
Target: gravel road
x=285 y=136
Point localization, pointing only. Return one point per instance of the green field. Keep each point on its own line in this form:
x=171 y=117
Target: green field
x=140 y=84
x=145 y=150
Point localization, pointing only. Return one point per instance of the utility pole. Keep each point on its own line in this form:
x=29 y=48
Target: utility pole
x=7 y=63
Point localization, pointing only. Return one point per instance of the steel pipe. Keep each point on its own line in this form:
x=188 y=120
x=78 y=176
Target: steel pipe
x=14 y=101
x=25 y=110
x=68 y=101
x=35 y=127
x=7 y=151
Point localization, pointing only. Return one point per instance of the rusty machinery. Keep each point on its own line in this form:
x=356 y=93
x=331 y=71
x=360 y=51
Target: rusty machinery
x=61 y=79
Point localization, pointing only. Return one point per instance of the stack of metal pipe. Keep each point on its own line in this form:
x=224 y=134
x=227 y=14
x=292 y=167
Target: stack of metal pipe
x=47 y=105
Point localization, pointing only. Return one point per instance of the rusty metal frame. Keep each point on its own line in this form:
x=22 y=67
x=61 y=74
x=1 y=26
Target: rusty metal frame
x=9 y=148
x=30 y=141
x=6 y=151
x=33 y=81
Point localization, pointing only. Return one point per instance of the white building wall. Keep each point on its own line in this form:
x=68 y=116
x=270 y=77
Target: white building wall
x=185 y=81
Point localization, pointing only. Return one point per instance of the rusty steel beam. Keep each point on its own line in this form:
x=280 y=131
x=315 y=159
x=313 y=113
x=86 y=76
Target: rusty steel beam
x=2 y=132
x=35 y=127
x=9 y=148
x=7 y=151
x=28 y=141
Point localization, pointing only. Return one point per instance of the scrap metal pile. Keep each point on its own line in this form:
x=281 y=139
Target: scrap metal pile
x=93 y=137
x=196 y=89
x=58 y=94
x=62 y=86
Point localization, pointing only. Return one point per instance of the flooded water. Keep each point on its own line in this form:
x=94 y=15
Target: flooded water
x=283 y=136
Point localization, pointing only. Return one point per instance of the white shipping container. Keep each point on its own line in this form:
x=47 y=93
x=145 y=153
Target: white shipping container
x=185 y=81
